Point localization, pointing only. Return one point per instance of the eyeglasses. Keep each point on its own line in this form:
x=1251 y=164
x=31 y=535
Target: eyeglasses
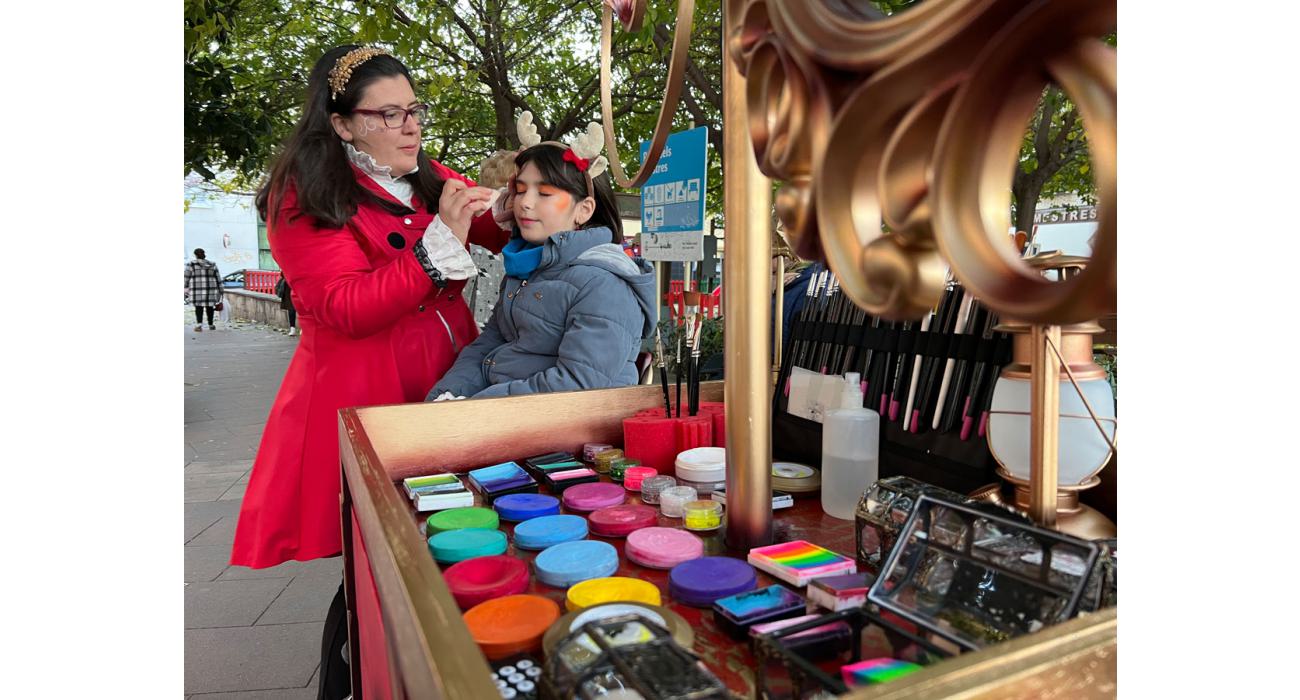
x=395 y=118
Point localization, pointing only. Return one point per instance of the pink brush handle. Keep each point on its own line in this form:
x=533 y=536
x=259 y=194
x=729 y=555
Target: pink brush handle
x=916 y=419
x=893 y=409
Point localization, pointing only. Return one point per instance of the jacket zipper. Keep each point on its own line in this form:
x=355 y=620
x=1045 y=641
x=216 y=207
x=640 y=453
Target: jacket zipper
x=455 y=347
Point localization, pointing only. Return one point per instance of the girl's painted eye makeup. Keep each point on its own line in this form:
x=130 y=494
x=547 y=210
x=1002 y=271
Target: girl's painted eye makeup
x=548 y=190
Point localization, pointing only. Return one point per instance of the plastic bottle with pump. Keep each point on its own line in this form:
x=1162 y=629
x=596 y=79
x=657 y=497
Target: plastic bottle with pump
x=850 y=451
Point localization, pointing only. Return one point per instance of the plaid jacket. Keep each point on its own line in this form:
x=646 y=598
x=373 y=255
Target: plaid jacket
x=204 y=282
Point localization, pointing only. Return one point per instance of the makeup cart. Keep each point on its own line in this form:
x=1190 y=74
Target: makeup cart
x=414 y=644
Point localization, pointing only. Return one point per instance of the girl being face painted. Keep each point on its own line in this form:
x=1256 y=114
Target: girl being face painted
x=543 y=209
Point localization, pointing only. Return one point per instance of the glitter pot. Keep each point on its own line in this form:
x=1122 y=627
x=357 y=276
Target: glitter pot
x=480 y=579
x=736 y=614
x=653 y=485
x=591 y=449
x=605 y=459
x=511 y=625
x=461 y=519
x=572 y=562
x=673 y=499
x=598 y=591
x=518 y=507
x=619 y=467
x=700 y=582
x=458 y=545
x=662 y=547
x=634 y=476
x=585 y=498
x=549 y=530
x=620 y=521
x=702 y=516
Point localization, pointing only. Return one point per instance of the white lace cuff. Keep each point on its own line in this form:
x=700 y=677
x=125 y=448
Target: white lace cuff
x=447 y=253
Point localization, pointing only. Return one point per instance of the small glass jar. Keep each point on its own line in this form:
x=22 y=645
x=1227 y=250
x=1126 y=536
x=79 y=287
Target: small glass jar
x=672 y=500
x=702 y=516
x=652 y=486
x=635 y=476
x=605 y=460
x=591 y=449
x=618 y=468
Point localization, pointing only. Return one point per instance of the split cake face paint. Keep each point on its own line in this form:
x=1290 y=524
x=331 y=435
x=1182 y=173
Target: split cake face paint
x=560 y=481
x=736 y=614
x=800 y=561
x=872 y=671
x=501 y=479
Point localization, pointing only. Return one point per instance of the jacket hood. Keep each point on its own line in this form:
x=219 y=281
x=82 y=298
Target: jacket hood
x=203 y=263
x=592 y=247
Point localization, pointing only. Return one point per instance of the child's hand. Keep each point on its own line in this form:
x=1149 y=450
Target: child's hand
x=460 y=203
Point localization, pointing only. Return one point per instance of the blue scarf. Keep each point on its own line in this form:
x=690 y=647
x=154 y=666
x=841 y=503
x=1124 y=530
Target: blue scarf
x=521 y=258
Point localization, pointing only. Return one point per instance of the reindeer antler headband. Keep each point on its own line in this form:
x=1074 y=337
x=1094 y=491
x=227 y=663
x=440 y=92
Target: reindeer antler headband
x=583 y=152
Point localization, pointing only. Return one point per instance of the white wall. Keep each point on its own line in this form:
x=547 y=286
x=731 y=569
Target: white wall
x=211 y=217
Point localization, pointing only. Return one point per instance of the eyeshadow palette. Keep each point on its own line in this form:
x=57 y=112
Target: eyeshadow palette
x=501 y=479
x=736 y=614
x=842 y=592
x=800 y=561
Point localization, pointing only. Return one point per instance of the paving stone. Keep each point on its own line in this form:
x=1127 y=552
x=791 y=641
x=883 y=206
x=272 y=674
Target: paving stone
x=222 y=532
x=205 y=563
x=201 y=516
x=235 y=492
x=236 y=659
x=204 y=467
x=306 y=599
x=209 y=487
x=331 y=568
x=230 y=603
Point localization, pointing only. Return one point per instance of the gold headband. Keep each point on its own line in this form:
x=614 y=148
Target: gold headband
x=342 y=70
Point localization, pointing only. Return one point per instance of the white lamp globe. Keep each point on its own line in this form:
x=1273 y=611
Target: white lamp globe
x=1082 y=451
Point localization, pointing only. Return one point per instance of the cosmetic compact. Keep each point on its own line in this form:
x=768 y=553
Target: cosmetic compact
x=736 y=614
x=458 y=545
x=662 y=547
x=598 y=591
x=700 y=582
x=480 y=579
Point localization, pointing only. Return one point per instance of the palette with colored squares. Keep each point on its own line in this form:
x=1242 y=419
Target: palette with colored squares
x=800 y=561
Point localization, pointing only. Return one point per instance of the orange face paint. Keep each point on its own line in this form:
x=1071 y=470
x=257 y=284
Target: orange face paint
x=561 y=201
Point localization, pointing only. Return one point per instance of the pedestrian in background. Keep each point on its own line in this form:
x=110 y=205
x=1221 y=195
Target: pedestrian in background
x=202 y=288
x=283 y=291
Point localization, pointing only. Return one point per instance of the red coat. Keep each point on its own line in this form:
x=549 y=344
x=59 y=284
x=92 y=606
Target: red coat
x=373 y=332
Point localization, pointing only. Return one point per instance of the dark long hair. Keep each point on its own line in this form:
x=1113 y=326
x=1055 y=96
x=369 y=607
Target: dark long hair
x=558 y=172
x=313 y=160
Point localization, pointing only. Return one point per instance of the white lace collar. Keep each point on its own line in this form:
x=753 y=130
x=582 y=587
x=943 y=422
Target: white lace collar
x=381 y=174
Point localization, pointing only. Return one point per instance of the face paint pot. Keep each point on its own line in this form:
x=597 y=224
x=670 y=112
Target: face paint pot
x=704 y=468
x=511 y=625
x=565 y=564
x=480 y=579
x=635 y=476
x=621 y=521
x=662 y=547
x=653 y=486
x=605 y=459
x=598 y=591
x=702 y=516
x=462 y=519
x=550 y=530
x=518 y=507
x=700 y=582
x=585 y=498
x=455 y=546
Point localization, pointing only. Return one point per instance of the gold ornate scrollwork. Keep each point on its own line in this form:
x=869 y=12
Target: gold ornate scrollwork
x=895 y=139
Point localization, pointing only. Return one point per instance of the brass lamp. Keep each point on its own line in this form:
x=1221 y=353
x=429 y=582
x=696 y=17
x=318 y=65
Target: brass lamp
x=1075 y=427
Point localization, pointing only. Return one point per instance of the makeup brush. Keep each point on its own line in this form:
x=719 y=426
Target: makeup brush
x=954 y=408
x=900 y=375
x=908 y=418
x=962 y=327
x=929 y=374
x=978 y=379
x=679 y=376
x=694 y=378
x=663 y=373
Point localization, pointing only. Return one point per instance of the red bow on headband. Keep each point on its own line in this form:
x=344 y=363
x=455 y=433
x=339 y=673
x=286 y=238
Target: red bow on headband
x=572 y=157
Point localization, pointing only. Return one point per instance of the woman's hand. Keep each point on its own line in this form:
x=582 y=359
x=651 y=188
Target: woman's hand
x=460 y=203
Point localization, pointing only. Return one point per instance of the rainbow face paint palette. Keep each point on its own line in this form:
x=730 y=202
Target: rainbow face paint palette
x=501 y=479
x=872 y=671
x=437 y=492
x=573 y=562
x=518 y=507
x=585 y=498
x=842 y=592
x=548 y=530
x=699 y=582
x=800 y=561
x=736 y=614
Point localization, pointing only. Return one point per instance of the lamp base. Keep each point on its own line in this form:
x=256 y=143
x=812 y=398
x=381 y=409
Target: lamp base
x=1072 y=517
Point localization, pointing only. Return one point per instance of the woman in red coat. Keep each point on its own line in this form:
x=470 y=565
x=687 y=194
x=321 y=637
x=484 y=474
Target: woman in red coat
x=370 y=234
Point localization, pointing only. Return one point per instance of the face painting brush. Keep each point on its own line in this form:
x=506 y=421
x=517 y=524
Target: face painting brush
x=962 y=327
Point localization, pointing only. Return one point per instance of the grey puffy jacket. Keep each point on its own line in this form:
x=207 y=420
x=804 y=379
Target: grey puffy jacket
x=575 y=323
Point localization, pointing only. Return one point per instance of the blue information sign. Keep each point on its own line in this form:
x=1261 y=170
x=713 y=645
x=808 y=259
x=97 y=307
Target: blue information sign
x=672 y=200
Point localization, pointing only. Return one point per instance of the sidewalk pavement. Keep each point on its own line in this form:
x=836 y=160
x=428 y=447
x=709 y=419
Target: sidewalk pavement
x=249 y=635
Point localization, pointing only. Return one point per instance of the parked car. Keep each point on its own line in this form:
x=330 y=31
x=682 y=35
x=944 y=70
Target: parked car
x=234 y=279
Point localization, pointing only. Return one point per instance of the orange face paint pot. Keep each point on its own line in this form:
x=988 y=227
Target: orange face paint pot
x=511 y=625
